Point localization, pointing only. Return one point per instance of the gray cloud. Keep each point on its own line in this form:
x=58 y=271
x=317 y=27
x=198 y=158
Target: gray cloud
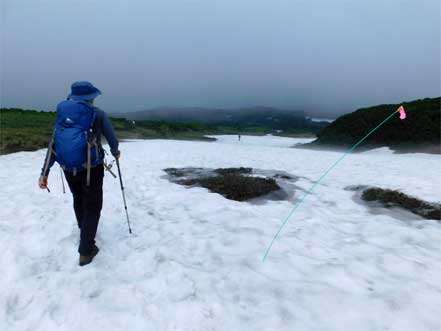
x=323 y=56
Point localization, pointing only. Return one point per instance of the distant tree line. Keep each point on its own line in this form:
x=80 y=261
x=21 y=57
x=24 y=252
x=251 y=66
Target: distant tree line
x=28 y=130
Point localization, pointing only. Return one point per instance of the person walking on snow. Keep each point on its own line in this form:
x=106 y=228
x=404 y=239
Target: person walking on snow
x=76 y=146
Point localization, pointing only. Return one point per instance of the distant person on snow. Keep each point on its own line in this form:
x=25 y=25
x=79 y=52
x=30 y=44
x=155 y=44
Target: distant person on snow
x=76 y=146
x=238 y=136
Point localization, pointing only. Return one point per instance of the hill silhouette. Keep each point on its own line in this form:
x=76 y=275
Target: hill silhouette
x=420 y=130
x=253 y=117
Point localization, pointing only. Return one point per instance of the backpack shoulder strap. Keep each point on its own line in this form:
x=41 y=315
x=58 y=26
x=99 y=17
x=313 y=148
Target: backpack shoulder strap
x=92 y=120
x=89 y=146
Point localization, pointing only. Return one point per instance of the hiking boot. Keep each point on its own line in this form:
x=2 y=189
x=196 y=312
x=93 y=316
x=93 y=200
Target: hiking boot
x=86 y=259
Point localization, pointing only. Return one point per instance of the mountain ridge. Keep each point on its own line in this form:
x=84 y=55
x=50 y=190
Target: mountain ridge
x=257 y=116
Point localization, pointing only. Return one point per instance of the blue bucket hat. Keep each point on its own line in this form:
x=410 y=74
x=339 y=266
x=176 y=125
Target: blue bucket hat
x=83 y=91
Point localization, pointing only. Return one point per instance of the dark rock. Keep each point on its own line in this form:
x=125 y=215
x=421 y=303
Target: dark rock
x=282 y=176
x=391 y=198
x=183 y=172
x=237 y=187
x=175 y=172
x=232 y=183
x=231 y=171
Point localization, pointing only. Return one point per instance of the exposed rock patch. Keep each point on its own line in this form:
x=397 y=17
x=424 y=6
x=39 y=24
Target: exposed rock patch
x=240 y=184
x=393 y=199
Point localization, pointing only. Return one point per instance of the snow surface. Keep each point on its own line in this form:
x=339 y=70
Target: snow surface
x=195 y=259
x=321 y=119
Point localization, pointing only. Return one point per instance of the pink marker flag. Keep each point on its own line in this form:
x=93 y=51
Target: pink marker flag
x=402 y=112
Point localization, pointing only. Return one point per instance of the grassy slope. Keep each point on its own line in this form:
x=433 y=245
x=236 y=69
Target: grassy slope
x=23 y=130
x=28 y=130
x=421 y=128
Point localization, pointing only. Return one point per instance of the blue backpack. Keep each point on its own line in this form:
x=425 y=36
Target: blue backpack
x=75 y=145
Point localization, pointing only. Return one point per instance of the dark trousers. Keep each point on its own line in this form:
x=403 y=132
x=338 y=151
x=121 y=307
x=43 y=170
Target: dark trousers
x=88 y=201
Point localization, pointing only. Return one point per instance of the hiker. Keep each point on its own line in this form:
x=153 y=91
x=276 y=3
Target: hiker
x=76 y=146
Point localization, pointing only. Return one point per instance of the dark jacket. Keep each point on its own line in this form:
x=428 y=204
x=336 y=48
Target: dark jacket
x=101 y=126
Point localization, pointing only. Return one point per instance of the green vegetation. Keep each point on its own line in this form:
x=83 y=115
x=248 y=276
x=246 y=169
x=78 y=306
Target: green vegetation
x=28 y=130
x=254 y=119
x=391 y=198
x=160 y=130
x=24 y=130
x=420 y=129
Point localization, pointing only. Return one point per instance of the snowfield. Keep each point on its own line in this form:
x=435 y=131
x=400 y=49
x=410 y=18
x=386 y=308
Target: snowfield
x=194 y=261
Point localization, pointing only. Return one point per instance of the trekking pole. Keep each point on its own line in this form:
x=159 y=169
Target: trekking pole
x=108 y=167
x=62 y=181
x=123 y=195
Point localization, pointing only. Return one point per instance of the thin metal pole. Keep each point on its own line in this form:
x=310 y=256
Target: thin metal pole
x=62 y=181
x=124 y=196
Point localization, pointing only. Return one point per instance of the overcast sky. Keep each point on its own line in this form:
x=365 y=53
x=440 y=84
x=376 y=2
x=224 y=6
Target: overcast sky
x=317 y=55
